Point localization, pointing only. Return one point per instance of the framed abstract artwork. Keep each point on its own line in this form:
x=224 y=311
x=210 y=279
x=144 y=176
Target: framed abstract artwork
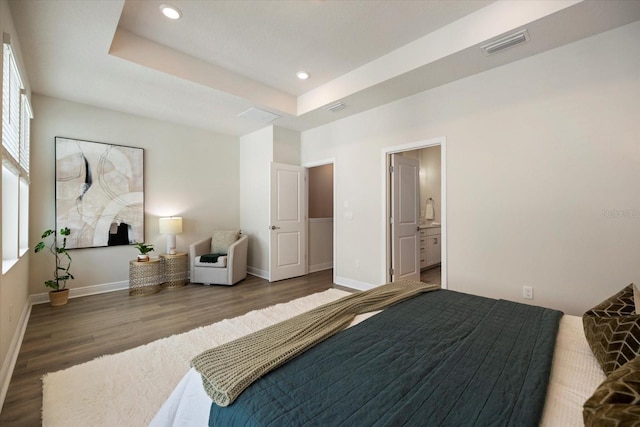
x=99 y=193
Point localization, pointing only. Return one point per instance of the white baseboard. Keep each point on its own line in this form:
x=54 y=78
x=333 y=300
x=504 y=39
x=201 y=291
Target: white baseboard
x=320 y=267
x=312 y=269
x=84 y=291
x=257 y=272
x=6 y=372
x=354 y=284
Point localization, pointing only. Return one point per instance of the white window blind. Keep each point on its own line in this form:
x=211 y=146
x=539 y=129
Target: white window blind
x=16 y=123
x=12 y=86
x=25 y=132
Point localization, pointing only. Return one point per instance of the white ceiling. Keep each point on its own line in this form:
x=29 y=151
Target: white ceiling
x=223 y=57
x=268 y=41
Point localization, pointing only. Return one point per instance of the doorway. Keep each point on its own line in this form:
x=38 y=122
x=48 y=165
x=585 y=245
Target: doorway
x=321 y=227
x=430 y=254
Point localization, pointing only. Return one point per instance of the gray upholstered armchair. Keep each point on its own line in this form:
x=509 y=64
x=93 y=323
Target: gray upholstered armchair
x=226 y=269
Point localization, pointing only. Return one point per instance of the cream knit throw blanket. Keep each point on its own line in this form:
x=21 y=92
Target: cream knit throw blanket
x=227 y=370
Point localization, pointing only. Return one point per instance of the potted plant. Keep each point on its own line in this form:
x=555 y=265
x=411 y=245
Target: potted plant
x=60 y=294
x=144 y=249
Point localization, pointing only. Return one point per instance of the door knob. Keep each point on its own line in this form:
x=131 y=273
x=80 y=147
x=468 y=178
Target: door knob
x=273 y=227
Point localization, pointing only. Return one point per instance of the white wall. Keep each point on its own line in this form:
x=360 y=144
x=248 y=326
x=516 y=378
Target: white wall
x=542 y=164
x=320 y=245
x=286 y=146
x=256 y=154
x=257 y=151
x=188 y=172
x=430 y=182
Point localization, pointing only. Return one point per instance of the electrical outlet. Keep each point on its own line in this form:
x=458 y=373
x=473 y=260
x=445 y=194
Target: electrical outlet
x=357 y=263
x=527 y=292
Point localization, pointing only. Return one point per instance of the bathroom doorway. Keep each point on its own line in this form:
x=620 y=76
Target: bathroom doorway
x=430 y=231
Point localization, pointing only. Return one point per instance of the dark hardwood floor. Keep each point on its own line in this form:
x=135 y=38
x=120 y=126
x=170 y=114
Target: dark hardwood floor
x=432 y=275
x=88 y=327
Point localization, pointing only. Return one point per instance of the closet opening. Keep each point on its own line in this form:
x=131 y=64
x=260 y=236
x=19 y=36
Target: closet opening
x=320 y=222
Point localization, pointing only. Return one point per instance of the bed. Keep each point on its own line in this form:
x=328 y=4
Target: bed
x=440 y=358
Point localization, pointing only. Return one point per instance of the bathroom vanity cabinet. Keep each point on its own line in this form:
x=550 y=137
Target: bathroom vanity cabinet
x=430 y=252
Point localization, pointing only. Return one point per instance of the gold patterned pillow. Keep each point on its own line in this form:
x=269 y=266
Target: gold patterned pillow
x=616 y=402
x=612 y=330
x=221 y=240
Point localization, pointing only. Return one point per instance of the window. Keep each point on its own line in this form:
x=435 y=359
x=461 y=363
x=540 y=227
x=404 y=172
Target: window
x=16 y=120
x=23 y=217
x=10 y=196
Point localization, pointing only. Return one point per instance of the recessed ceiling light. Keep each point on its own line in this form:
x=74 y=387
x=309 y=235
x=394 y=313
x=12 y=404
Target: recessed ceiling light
x=302 y=75
x=170 y=12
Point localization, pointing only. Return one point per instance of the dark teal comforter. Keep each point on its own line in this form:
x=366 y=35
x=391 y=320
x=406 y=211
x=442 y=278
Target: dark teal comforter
x=440 y=359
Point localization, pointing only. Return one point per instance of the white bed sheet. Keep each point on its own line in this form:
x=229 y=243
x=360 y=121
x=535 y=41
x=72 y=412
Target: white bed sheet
x=575 y=374
x=187 y=406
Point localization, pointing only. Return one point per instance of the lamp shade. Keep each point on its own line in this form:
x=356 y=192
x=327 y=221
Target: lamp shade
x=171 y=225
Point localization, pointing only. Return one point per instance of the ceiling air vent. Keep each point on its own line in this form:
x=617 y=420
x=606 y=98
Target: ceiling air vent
x=258 y=115
x=336 y=106
x=506 y=42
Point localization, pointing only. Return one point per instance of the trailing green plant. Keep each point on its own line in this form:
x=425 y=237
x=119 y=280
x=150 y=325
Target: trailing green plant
x=144 y=248
x=63 y=259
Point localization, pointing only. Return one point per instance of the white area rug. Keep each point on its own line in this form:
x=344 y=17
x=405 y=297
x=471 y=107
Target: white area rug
x=128 y=388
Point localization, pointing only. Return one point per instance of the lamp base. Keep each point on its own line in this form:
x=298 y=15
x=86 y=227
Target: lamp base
x=171 y=244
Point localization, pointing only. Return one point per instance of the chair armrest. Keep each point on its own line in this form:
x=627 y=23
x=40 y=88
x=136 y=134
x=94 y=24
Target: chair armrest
x=236 y=247
x=200 y=247
x=237 y=259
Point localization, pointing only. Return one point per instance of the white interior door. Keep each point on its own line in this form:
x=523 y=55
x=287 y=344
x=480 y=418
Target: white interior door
x=405 y=213
x=287 y=240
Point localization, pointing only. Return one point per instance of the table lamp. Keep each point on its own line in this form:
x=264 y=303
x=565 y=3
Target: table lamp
x=171 y=226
